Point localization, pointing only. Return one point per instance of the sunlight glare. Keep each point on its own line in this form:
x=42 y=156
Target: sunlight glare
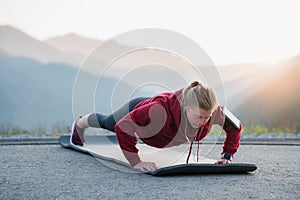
x=273 y=63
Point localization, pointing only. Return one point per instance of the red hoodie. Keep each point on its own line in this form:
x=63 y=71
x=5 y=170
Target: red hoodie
x=159 y=122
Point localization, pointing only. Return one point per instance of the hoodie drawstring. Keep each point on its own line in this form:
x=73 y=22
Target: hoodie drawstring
x=190 y=151
x=191 y=145
x=198 y=151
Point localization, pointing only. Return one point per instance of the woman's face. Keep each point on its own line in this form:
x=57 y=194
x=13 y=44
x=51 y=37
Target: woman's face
x=198 y=117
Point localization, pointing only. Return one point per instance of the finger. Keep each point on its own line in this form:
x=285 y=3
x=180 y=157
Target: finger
x=227 y=162
x=220 y=162
x=142 y=169
x=217 y=162
x=151 y=167
x=148 y=166
x=154 y=167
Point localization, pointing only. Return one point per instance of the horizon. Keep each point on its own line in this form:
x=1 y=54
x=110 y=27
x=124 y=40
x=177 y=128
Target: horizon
x=249 y=87
x=268 y=64
x=230 y=32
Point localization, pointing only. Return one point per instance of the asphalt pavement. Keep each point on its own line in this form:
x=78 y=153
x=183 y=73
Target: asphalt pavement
x=52 y=172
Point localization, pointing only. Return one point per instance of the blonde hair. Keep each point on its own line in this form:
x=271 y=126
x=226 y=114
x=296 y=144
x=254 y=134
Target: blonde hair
x=199 y=94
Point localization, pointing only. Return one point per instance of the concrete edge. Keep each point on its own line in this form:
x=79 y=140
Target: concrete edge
x=54 y=141
x=29 y=141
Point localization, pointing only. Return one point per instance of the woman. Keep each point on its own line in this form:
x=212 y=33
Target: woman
x=165 y=120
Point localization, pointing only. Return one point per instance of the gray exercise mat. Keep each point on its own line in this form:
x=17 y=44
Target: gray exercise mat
x=170 y=161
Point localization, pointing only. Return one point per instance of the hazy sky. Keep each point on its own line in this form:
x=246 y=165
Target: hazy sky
x=230 y=31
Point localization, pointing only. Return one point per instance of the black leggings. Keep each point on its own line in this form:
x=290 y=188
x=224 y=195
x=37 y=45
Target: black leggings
x=108 y=122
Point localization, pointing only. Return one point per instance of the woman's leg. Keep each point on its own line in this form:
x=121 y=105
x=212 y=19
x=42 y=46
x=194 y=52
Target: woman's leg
x=108 y=122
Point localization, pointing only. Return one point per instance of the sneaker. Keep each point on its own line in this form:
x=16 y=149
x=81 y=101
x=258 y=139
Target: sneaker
x=77 y=137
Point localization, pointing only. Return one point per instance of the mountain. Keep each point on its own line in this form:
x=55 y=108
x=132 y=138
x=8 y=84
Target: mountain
x=238 y=80
x=36 y=95
x=16 y=43
x=72 y=44
x=39 y=81
x=81 y=48
x=73 y=49
x=276 y=101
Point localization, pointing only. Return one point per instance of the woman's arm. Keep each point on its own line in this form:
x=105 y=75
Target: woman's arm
x=233 y=133
x=127 y=140
x=144 y=121
x=232 y=141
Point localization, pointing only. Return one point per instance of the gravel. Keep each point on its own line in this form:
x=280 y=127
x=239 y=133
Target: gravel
x=52 y=172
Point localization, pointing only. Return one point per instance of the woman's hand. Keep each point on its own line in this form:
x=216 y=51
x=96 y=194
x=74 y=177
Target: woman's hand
x=146 y=166
x=223 y=161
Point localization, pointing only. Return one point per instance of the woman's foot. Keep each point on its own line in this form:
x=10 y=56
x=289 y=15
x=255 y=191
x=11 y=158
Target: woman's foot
x=77 y=137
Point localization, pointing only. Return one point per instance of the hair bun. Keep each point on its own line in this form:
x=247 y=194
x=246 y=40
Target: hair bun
x=195 y=83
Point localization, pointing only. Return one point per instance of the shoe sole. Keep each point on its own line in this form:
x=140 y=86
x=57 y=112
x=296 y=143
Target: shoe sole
x=78 y=147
